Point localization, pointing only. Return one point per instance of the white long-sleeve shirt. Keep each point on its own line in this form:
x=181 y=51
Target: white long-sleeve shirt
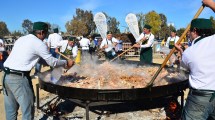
x=150 y=42
x=199 y=59
x=64 y=45
x=26 y=52
x=84 y=43
x=109 y=43
x=1 y=45
x=53 y=40
x=175 y=39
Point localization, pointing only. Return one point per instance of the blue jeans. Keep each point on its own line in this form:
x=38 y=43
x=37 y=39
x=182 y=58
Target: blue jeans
x=54 y=54
x=19 y=93
x=38 y=67
x=198 y=108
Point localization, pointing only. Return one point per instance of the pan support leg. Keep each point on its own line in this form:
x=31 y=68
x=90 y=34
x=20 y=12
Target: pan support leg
x=37 y=96
x=1 y=89
x=182 y=101
x=87 y=110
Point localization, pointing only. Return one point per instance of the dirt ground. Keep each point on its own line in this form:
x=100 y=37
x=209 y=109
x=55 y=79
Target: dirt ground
x=157 y=59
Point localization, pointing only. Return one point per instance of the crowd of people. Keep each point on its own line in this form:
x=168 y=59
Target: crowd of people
x=33 y=50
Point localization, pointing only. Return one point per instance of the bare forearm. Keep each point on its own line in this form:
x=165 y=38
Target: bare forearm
x=210 y=4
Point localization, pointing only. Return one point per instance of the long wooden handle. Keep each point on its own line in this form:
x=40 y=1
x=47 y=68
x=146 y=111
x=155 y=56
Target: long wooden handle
x=67 y=58
x=150 y=84
x=121 y=53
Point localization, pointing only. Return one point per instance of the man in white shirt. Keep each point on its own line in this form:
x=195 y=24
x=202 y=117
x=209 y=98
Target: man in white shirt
x=108 y=46
x=52 y=42
x=147 y=40
x=2 y=54
x=68 y=47
x=199 y=60
x=171 y=41
x=84 y=43
x=17 y=84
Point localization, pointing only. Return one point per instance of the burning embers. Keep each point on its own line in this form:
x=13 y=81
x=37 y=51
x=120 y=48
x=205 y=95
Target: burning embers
x=115 y=76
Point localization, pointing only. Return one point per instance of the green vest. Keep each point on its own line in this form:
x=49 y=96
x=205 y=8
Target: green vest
x=171 y=43
x=67 y=51
x=146 y=53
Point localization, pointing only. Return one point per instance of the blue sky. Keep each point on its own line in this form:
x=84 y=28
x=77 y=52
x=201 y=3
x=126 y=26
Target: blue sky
x=179 y=12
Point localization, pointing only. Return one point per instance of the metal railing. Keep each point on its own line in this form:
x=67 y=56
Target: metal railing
x=135 y=52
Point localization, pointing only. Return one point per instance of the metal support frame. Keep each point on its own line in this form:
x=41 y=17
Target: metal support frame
x=87 y=104
x=37 y=96
x=1 y=89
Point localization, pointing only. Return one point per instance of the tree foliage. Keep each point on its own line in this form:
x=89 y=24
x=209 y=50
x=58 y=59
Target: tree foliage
x=213 y=23
x=27 y=26
x=82 y=23
x=17 y=33
x=3 y=29
x=112 y=24
x=76 y=27
x=140 y=18
x=153 y=19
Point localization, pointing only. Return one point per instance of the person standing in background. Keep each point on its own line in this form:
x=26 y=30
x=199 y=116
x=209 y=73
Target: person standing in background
x=171 y=41
x=84 y=44
x=2 y=49
x=119 y=45
x=52 y=42
x=92 y=47
x=3 y=54
x=68 y=48
x=108 y=44
x=147 y=40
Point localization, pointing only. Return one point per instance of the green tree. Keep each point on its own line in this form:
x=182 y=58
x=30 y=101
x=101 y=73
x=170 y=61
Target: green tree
x=27 y=26
x=3 y=29
x=213 y=22
x=180 y=31
x=83 y=21
x=153 y=19
x=141 y=19
x=76 y=27
x=17 y=33
x=112 y=24
x=164 y=31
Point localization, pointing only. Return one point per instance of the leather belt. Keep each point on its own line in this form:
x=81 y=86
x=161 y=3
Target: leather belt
x=201 y=93
x=204 y=93
x=16 y=72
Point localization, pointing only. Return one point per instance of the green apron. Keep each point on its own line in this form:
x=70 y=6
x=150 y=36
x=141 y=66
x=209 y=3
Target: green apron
x=146 y=54
x=109 y=55
x=68 y=52
x=171 y=44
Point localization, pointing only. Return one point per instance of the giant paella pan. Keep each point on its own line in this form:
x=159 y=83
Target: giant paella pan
x=121 y=81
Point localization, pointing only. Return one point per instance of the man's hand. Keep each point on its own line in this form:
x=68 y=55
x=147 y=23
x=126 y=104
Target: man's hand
x=209 y=3
x=105 y=46
x=137 y=45
x=144 y=38
x=56 y=50
x=70 y=63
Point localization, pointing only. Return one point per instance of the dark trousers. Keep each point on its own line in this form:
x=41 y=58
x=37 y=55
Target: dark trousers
x=54 y=54
x=199 y=106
